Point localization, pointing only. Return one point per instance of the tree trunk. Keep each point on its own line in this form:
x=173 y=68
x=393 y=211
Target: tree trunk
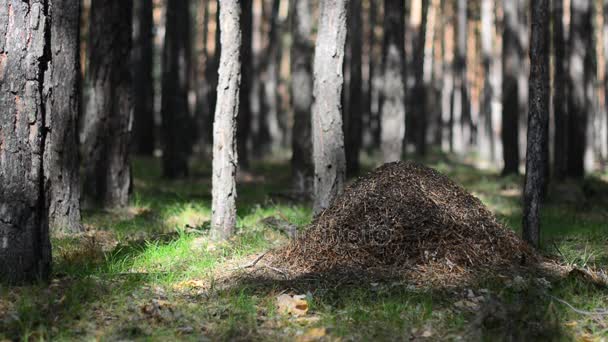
x=270 y=118
x=143 y=84
x=107 y=130
x=560 y=97
x=538 y=119
x=223 y=206
x=354 y=116
x=327 y=135
x=176 y=125
x=301 y=95
x=419 y=110
x=62 y=97
x=25 y=52
x=580 y=29
x=512 y=62
x=244 y=117
x=460 y=114
x=486 y=142
x=605 y=46
x=393 y=106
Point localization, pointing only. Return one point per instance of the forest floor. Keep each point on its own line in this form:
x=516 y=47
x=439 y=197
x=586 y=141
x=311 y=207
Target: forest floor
x=149 y=272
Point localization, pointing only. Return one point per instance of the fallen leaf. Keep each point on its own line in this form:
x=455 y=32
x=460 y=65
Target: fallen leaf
x=571 y=324
x=427 y=333
x=314 y=334
x=292 y=305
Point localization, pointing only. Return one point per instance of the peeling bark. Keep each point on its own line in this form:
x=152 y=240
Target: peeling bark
x=223 y=206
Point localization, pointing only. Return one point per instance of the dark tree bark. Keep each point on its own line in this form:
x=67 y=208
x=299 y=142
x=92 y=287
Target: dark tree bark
x=244 y=117
x=578 y=74
x=143 y=85
x=301 y=95
x=460 y=113
x=269 y=120
x=107 y=122
x=354 y=116
x=605 y=47
x=538 y=118
x=25 y=53
x=176 y=125
x=62 y=97
x=512 y=62
x=560 y=97
x=225 y=160
x=393 y=106
x=327 y=135
x=373 y=110
x=419 y=111
x=211 y=73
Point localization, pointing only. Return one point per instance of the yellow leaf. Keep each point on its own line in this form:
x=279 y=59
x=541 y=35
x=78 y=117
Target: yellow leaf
x=314 y=334
x=571 y=324
x=292 y=305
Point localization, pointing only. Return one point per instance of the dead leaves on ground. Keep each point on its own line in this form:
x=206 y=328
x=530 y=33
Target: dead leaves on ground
x=296 y=305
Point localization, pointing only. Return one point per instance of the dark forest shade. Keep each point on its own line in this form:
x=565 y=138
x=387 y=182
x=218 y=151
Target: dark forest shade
x=560 y=98
x=143 y=85
x=225 y=160
x=512 y=62
x=62 y=96
x=244 y=117
x=538 y=118
x=579 y=73
x=354 y=116
x=393 y=82
x=176 y=122
x=25 y=251
x=327 y=134
x=107 y=121
x=302 y=167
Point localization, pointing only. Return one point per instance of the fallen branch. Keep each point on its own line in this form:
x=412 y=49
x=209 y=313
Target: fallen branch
x=251 y=264
x=602 y=312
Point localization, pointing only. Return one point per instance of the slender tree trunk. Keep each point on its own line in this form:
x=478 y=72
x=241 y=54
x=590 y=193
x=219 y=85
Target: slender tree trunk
x=393 y=107
x=605 y=46
x=211 y=72
x=176 y=125
x=143 y=85
x=460 y=100
x=512 y=62
x=419 y=110
x=107 y=130
x=560 y=97
x=327 y=135
x=354 y=116
x=244 y=117
x=225 y=160
x=538 y=118
x=62 y=97
x=301 y=95
x=25 y=53
x=487 y=145
x=580 y=28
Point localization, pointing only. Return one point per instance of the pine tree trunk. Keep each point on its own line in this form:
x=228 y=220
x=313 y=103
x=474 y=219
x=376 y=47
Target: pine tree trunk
x=354 y=116
x=244 y=117
x=486 y=142
x=107 y=122
x=225 y=160
x=512 y=62
x=393 y=106
x=327 y=136
x=580 y=29
x=25 y=52
x=143 y=85
x=460 y=113
x=176 y=125
x=538 y=118
x=62 y=97
x=301 y=95
x=605 y=46
x=419 y=111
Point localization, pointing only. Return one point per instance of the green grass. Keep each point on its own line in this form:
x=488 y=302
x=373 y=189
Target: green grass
x=149 y=272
